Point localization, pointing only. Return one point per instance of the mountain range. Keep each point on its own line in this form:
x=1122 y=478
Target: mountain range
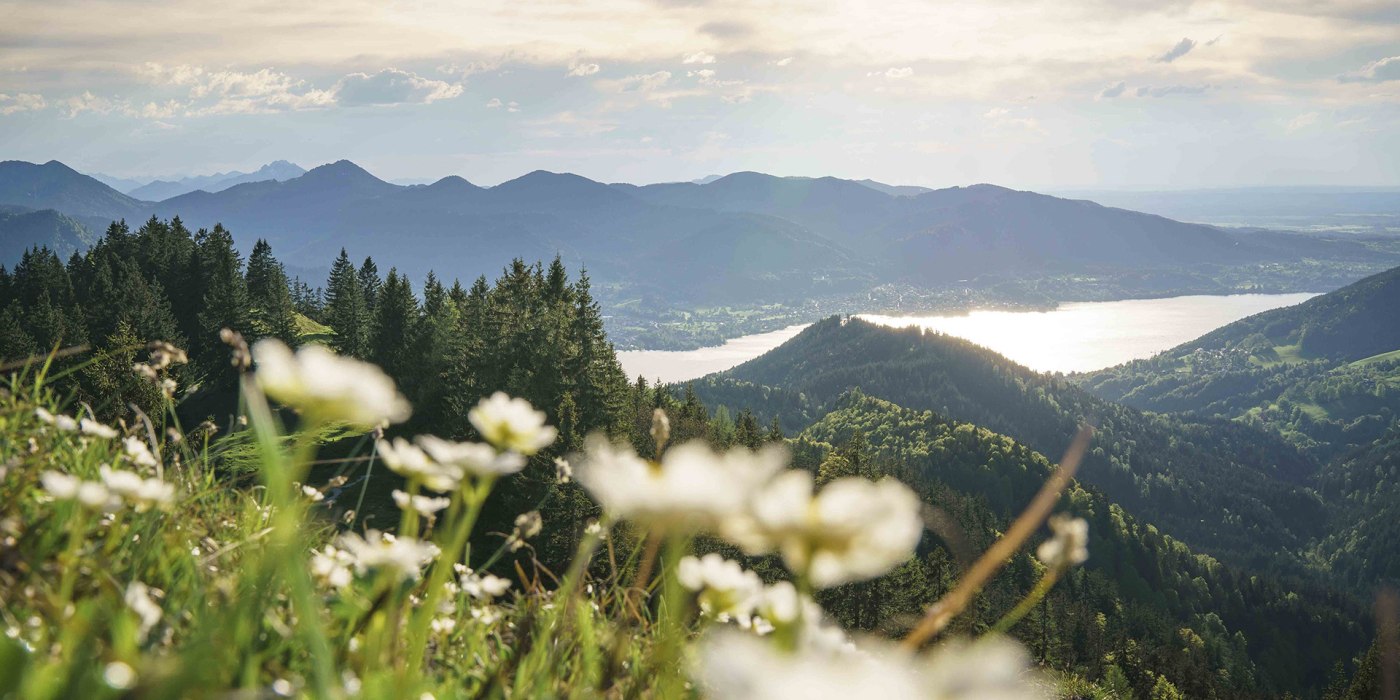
x=157 y=190
x=743 y=237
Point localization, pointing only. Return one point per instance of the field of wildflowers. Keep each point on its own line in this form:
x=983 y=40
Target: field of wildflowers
x=140 y=560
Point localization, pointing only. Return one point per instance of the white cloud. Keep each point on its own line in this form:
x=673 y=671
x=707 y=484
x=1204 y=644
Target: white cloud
x=21 y=102
x=392 y=87
x=87 y=102
x=783 y=61
x=580 y=70
x=1181 y=48
x=1003 y=118
x=645 y=82
x=496 y=103
x=1302 y=121
x=1375 y=71
x=892 y=73
x=702 y=74
x=699 y=57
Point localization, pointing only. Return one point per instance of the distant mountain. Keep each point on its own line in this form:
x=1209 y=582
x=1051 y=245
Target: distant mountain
x=1225 y=488
x=54 y=185
x=1283 y=207
x=165 y=189
x=22 y=229
x=897 y=190
x=120 y=184
x=745 y=237
x=1325 y=374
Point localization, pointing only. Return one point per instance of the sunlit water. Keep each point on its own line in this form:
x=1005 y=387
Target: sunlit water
x=1075 y=337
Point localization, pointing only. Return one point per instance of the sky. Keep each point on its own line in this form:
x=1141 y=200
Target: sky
x=1039 y=94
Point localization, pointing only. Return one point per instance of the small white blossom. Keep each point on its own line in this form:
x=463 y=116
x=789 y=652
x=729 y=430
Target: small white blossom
x=472 y=458
x=693 y=488
x=94 y=428
x=138 y=452
x=563 y=471
x=482 y=586
x=139 y=599
x=92 y=495
x=511 y=424
x=425 y=506
x=404 y=556
x=328 y=387
x=854 y=529
x=411 y=462
x=141 y=493
x=726 y=591
x=313 y=493
x=119 y=675
x=1070 y=543
x=331 y=566
x=60 y=421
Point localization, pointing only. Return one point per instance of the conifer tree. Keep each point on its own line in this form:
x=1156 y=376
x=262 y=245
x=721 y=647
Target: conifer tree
x=269 y=295
x=224 y=300
x=345 y=309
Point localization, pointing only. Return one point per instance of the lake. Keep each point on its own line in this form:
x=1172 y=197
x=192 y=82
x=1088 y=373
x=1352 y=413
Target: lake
x=1074 y=337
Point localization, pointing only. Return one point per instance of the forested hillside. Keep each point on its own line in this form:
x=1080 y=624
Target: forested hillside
x=1224 y=488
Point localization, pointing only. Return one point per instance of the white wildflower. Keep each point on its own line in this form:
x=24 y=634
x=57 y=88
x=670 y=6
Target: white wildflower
x=328 y=387
x=443 y=625
x=472 y=458
x=92 y=495
x=164 y=354
x=139 y=598
x=60 y=421
x=313 y=493
x=511 y=424
x=168 y=387
x=1070 y=543
x=563 y=471
x=482 y=586
x=138 y=452
x=404 y=556
x=95 y=428
x=527 y=525
x=119 y=675
x=693 y=488
x=740 y=666
x=854 y=529
x=331 y=566
x=146 y=372
x=411 y=462
x=141 y=493
x=726 y=591
x=425 y=506
x=486 y=614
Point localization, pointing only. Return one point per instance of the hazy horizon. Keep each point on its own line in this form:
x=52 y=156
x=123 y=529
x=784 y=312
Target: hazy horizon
x=1026 y=94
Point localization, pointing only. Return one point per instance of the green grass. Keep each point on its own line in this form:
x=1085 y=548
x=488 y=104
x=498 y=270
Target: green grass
x=1391 y=356
x=313 y=332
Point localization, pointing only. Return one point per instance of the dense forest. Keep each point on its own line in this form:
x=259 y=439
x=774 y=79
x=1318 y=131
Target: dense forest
x=1151 y=614
x=1224 y=488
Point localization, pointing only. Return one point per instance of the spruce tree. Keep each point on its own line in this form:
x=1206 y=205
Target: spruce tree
x=345 y=309
x=268 y=293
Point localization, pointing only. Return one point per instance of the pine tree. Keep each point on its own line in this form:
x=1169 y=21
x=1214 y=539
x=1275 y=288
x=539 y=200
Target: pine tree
x=268 y=293
x=345 y=309
x=395 y=326
x=224 y=301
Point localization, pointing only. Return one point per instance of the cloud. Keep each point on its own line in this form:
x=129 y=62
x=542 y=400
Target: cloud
x=893 y=73
x=1375 y=72
x=698 y=57
x=496 y=103
x=1113 y=91
x=21 y=102
x=1182 y=48
x=645 y=82
x=234 y=92
x=87 y=102
x=580 y=70
x=1002 y=118
x=783 y=61
x=702 y=74
x=392 y=87
x=1169 y=90
x=1302 y=121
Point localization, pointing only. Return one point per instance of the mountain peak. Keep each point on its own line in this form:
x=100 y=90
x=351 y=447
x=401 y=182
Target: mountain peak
x=342 y=171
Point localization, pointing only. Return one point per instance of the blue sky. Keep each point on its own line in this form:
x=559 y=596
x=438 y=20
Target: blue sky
x=1026 y=93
